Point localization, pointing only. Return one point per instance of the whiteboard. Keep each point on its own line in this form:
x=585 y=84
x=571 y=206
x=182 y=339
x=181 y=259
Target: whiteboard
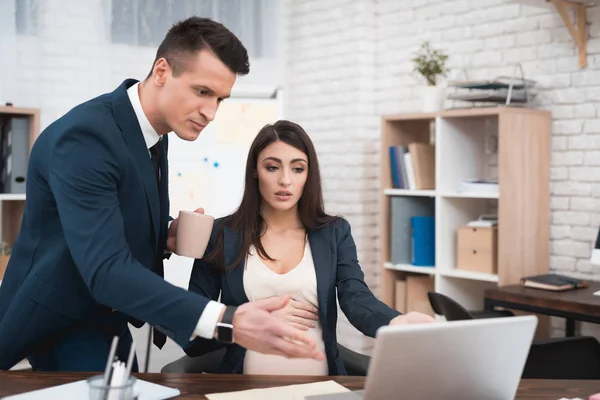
x=209 y=172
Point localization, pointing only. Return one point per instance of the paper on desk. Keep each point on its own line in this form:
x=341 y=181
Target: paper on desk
x=80 y=390
x=290 y=392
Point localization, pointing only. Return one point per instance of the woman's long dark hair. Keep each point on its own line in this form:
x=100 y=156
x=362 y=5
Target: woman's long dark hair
x=247 y=219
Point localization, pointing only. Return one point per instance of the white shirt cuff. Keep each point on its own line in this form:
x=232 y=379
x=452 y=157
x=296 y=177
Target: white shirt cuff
x=208 y=320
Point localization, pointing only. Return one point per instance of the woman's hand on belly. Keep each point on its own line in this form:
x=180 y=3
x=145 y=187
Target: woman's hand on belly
x=300 y=314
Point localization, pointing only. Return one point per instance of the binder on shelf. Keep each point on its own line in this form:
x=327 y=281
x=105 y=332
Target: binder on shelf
x=14 y=154
x=423 y=241
x=403 y=208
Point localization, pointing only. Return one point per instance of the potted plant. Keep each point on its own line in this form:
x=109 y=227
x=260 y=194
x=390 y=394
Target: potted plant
x=431 y=65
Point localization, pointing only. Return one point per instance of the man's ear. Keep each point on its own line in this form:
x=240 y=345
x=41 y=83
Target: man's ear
x=161 y=70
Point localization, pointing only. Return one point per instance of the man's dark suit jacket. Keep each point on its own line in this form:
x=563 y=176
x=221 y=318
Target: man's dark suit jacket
x=84 y=256
x=336 y=268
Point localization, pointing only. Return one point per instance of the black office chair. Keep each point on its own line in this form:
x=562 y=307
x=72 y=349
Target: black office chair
x=356 y=364
x=561 y=358
x=444 y=305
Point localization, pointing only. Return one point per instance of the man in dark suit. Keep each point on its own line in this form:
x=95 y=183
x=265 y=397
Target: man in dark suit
x=95 y=230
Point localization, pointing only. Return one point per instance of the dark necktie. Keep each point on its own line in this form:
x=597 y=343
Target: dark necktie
x=156 y=154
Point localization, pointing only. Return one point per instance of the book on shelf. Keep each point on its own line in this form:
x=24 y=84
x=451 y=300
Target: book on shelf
x=413 y=166
x=553 y=282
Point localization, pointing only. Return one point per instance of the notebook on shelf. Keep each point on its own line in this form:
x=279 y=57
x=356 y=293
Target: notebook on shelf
x=553 y=282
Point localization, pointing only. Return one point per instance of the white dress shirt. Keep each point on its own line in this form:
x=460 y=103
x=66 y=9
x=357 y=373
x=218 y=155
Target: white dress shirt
x=260 y=282
x=210 y=316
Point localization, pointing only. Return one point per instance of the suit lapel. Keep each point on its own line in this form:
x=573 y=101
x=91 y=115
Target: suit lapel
x=132 y=133
x=320 y=247
x=234 y=277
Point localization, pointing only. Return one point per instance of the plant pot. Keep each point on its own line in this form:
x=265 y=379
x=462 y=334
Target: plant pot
x=433 y=98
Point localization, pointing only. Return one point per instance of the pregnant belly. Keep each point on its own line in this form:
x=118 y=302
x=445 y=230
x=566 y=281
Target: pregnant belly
x=268 y=364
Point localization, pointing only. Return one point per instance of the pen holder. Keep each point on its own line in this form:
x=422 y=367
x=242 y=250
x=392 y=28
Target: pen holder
x=98 y=390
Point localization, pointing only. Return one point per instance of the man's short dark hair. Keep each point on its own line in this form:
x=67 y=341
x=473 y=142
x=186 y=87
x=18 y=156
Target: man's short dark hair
x=188 y=37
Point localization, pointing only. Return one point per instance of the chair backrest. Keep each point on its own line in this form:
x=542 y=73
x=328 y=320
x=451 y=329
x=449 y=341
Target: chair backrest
x=444 y=305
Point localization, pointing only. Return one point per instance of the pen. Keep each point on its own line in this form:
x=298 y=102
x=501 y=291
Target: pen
x=109 y=361
x=129 y=362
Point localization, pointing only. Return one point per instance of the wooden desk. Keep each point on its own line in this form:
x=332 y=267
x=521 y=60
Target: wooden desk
x=194 y=386
x=578 y=304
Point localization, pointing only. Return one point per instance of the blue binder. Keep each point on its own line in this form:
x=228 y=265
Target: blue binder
x=423 y=241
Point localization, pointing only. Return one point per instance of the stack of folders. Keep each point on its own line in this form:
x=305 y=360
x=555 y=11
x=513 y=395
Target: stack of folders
x=484 y=221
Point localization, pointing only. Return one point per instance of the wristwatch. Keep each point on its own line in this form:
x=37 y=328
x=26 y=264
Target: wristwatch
x=225 y=326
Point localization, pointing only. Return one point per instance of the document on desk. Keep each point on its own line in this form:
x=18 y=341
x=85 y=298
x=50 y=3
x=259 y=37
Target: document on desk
x=80 y=390
x=290 y=392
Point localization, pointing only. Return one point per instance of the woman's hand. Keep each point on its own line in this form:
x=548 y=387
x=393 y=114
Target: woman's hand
x=300 y=314
x=412 y=317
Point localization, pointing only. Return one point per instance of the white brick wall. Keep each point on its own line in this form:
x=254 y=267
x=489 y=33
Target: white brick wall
x=343 y=55
x=331 y=72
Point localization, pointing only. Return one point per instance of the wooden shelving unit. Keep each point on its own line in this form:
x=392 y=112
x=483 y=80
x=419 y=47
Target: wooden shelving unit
x=519 y=160
x=13 y=205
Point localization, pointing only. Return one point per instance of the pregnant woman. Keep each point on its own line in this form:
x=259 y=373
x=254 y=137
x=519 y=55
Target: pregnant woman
x=280 y=242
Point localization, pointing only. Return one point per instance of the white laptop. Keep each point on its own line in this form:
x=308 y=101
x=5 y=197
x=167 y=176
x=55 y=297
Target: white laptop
x=462 y=360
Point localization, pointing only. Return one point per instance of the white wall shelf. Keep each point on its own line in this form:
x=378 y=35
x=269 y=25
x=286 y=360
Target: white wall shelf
x=409 y=192
x=470 y=195
x=12 y=196
x=12 y=205
x=410 y=268
x=464 y=150
x=475 y=276
x=575 y=26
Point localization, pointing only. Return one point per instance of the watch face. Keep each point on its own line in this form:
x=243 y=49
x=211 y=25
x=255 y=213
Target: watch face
x=225 y=334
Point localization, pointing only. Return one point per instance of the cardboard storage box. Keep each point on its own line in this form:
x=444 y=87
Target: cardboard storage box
x=417 y=287
x=477 y=249
x=400 y=294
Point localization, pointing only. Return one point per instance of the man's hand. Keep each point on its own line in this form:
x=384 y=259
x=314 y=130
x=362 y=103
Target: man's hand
x=257 y=329
x=172 y=235
x=300 y=314
x=412 y=317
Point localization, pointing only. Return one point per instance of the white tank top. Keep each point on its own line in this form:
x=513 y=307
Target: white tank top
x=300 y=283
